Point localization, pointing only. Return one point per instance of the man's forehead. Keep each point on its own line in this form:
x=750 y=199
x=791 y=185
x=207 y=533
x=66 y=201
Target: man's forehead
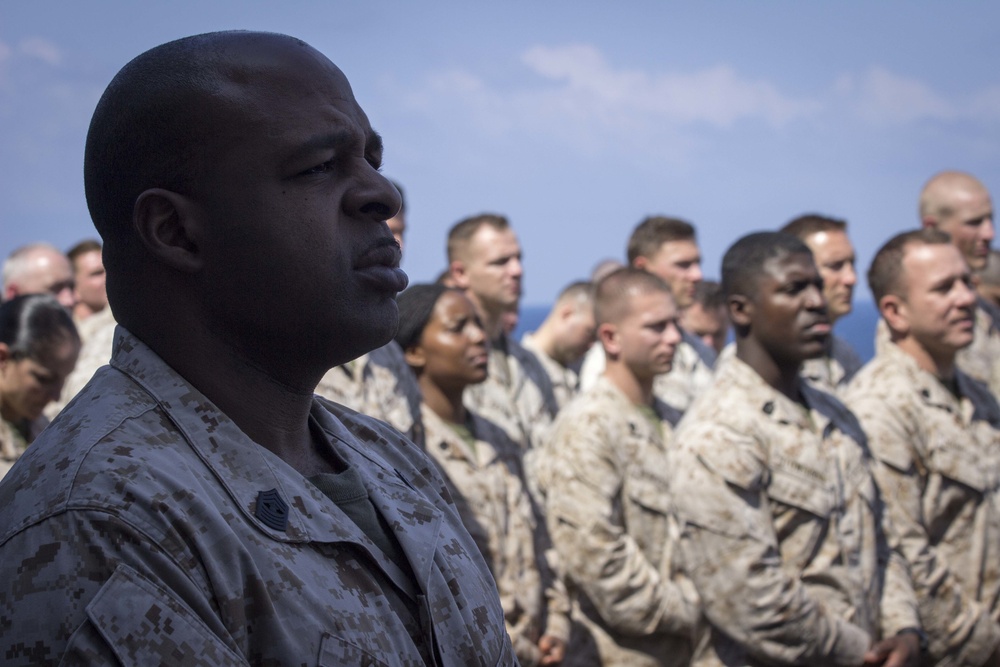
x=489 y=242
x=678 y=249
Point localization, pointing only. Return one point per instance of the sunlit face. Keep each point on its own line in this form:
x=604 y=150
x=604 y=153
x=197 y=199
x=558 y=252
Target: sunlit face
x=678 y=263
x=491 y=269
x=27 y=385
x=89 y=276
x=939 y=303
x=971 y=223
x=46 y=272
x=711 y=326
x=453 y=345
x=648 y=335
x=295 y=249
x=787 y=314
x=834 y=256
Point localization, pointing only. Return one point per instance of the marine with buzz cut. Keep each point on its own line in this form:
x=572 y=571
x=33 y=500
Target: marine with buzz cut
x=936 y=432
x=604 y=476
x=668 y=248
x=781 y=522
x=197 y=504
x=958 y=204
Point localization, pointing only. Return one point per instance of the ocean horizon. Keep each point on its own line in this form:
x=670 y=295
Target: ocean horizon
x=858 y=328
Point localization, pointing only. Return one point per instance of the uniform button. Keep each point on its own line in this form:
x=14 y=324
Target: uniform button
x=769 y=407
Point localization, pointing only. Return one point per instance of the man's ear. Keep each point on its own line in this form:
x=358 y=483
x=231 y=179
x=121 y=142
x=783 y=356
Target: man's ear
x=740 y=309
x=415 y=357
x=458 y=273
x=641 y=262
x=896 y=314
x=170 y=228
x=607 y=335
x=5 y=355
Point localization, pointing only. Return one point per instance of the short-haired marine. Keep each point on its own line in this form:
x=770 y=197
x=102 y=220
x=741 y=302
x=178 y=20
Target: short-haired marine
x=781 y=521
x=936 y=432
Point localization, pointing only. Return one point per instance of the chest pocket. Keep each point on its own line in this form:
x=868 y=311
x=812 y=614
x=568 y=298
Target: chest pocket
x=956 y=463
x=335 y=651
x=795 y=485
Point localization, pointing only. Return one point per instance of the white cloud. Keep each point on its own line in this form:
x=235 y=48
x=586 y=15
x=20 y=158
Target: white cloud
x=40 y=49
x=717 y=95
x=883 y=97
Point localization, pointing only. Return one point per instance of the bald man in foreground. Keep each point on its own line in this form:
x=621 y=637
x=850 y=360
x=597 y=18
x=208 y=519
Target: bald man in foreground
x=196 y=504
x=958 y=204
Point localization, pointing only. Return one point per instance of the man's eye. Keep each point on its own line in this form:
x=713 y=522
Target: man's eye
x=319 y=169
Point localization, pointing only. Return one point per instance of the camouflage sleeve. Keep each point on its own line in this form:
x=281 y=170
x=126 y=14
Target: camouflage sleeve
x=731 y=550
x=96 y=591
x=594 y=549
x=959 y=629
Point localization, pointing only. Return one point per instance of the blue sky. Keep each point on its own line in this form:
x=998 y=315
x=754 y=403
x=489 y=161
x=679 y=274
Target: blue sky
x=575 y=119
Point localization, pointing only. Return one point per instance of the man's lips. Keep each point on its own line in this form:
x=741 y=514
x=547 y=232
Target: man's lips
x=385 y=252
x=380 y=265
x=819 y=327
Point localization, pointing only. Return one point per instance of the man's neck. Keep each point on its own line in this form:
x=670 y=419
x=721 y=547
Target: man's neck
x=544 y=340
x=638 y=390
x=266 y=406
x=942 y=366
x=784 y=378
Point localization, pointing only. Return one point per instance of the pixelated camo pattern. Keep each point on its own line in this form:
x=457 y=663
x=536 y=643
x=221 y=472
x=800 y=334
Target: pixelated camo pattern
x=128 y=533
x=611 y=520
x=940 y=474
x=782 y=527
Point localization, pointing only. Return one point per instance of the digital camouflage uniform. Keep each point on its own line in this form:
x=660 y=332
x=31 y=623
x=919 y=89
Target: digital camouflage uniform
x=690 y=374
x=565 y=382
x=609 y=512
x=144 y=528
x=941 y=480
x=487 y=485
x=379 y=384
x=782 y=528
x=981 y=360
x=517 y=394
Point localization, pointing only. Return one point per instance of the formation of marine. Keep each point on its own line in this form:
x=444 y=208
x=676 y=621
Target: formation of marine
x=619 y=487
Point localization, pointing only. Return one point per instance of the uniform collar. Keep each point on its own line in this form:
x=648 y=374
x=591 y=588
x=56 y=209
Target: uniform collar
x=245 y=469
x=975 y=401
x=825 y=413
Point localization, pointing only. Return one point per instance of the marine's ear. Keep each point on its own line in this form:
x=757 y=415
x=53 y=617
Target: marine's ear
x=415 y=357
x=609 y=337
x=896 y=313
x=169 y=225
x=740 y=309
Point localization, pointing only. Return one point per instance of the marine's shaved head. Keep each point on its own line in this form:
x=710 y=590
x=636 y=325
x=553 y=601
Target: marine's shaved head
x=937 y=199
x=613 y=295
x=160 y=119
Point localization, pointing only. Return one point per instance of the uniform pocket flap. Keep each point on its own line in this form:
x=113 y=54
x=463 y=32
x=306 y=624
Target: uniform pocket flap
x=145 y=624
x=956 y=463
x=651 y=493
x=797 y=489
